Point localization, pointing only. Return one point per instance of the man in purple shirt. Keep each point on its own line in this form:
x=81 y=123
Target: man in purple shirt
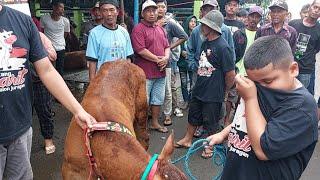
x=278 y=13
x=152 y=49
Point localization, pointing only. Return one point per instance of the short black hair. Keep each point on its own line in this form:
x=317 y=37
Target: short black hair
x=268 y=49
x=160 y=1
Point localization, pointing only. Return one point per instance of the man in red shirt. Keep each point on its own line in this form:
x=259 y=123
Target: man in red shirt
x=152 y=48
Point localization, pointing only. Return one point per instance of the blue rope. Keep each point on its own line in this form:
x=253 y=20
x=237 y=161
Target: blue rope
x=218 y=157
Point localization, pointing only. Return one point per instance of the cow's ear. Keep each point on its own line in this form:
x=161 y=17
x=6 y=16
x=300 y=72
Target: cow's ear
x=168 y=148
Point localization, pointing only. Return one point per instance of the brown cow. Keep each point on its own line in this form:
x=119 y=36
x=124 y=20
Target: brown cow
x=75 y=60
x=118 y=93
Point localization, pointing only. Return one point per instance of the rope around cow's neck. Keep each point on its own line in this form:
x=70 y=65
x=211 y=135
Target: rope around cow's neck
x=218 y=157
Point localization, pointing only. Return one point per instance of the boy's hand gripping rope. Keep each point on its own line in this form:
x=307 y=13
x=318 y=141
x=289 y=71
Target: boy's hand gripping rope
x=218 y=157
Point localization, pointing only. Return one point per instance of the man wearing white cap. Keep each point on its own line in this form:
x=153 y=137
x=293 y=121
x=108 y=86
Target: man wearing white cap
x=152 y=51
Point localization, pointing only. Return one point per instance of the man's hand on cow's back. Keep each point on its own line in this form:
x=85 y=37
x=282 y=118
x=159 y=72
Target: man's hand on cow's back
x=84 y=119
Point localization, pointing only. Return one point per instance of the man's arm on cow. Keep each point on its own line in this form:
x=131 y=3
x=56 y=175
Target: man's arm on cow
x=58 y=88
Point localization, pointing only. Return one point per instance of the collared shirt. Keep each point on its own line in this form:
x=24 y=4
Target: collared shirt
x=154 y=39
x=286 y=32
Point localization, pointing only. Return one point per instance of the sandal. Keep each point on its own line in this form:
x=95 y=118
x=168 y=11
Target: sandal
x=177 y=145
x=167 y=121
x=160 y=129
x=207 y=153
x=50 y=149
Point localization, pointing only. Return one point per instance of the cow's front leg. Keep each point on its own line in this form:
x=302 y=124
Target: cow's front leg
x=140 y=122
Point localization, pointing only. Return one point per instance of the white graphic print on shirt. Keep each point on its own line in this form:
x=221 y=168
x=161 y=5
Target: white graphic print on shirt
x=205 y=68
x=238 y=140
x=10 y=60
x=302 y=42
x=233 y=29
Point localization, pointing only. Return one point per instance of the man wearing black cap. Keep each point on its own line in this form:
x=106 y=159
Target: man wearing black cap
x=108 y=41
x=87 y=26
x=279 y=13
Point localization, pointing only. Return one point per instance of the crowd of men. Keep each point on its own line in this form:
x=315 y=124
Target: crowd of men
x=203 y=55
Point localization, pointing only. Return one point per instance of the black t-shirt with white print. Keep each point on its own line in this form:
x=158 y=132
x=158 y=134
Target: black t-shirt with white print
x=234 y=25
x=20 y=42
x=288 y=141
x=215 y=60
x=308 y=45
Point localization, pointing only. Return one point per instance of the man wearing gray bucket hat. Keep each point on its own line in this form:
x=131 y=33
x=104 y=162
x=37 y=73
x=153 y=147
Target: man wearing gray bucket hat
x=195 y=41
x=215 y=76
x=213 y=21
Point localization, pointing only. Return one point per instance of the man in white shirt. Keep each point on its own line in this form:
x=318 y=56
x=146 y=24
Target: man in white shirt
x=56 y=27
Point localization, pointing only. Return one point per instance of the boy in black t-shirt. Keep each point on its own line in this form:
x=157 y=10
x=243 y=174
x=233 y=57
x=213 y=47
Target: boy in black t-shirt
x=274 y=132
x=215 y=77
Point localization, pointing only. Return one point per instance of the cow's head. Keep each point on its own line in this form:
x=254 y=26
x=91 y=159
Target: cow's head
x=166 y=170
x=7 y=37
